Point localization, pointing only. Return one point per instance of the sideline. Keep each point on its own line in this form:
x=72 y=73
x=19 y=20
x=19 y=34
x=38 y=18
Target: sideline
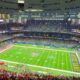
x=5 y=49
x=41 y=67
x=44 y=48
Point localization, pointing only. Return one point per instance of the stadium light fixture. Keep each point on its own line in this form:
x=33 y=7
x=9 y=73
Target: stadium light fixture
x=20 y=1
x=69 y=19
x=34 y=10
x=1 y=20
x=78 y=15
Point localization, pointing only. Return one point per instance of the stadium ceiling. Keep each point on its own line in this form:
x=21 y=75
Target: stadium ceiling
x=53 y=5
x=11 y=6
x=8 y=6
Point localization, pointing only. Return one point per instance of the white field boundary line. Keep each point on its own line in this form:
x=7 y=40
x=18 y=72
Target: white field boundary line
x=6 y=49
x=77 y=56
x=42 y=72
x=37 y=71
x=41 y=67
x=43 y=48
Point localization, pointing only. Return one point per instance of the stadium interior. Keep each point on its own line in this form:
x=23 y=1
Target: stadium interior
x=39 y=39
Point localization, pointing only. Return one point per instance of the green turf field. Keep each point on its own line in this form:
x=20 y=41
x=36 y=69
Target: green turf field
x=39 y=56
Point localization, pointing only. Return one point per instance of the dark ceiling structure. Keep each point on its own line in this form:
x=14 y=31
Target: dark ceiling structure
x=54 y=5
x=63 y=7
x=8 y=6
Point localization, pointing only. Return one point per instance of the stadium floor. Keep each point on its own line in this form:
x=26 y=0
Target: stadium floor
x=39 y=56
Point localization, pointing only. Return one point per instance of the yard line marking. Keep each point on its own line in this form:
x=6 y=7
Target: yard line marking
x=43 y=48
x=41 y=67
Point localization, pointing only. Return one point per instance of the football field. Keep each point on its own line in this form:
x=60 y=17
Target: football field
x=39 y=56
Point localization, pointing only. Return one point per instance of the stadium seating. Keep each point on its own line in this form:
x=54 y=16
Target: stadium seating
x=47 y=25
x=6 y=75
x=51 y=33
x=47 y=42
x=5 y=38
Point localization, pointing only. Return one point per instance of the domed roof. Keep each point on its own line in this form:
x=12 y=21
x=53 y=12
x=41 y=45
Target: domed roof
x=54 y=5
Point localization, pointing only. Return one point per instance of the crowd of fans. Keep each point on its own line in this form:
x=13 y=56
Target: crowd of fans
x=7 y=75
x=47 y=42
x=47 y=26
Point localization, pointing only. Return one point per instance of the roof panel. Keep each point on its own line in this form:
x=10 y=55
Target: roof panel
x=56 y=5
